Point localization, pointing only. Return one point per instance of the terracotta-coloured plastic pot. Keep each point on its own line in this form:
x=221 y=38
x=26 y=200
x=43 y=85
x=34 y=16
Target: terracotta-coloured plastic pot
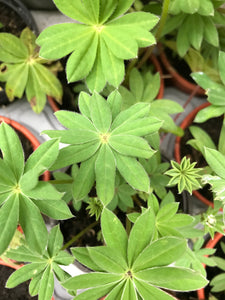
x=33 y=140
x=177 y=79
x=211 y=244
x=186 y=123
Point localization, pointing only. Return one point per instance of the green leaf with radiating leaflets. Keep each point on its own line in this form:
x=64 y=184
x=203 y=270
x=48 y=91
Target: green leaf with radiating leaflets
x=14 y=46
x=105 y=172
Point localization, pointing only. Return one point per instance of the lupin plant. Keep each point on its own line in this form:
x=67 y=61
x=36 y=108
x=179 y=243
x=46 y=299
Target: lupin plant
x=113 y=147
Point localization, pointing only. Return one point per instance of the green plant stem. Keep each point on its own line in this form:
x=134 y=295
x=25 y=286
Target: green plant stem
x=76 y=237
x=66 y=181
x=161 y=24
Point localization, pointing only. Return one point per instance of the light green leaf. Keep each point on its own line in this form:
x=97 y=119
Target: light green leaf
x=74 y=154
x=9 y=215
x=131 y=145
x=216 y=161
x=70 y=35
x=44 y=156
x=63 y=258
x=162 y=252
x=35 y=284
x=122 y=7
x=82 y=255
x=100 y=113
x=81 y=61
x=115 y=102
x=25 y=273
x=12 y=150
x=119 y=43
x=13 y=45
x=133 y=172
x=146 y=290
x=75 y=10
x=105 y=172
x=47 y=284
x=22 y=253
x=129 y=291
x=141 y=235
x=16 y=81
x=113 y=232
x=84 y=104
x=209 y=112
x=91 y=280
x=210 y=32
x=55 y=241
x=32 y=224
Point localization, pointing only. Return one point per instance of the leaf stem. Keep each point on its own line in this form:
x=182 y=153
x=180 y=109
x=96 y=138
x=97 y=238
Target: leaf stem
x=161 y=24
x=76 y=237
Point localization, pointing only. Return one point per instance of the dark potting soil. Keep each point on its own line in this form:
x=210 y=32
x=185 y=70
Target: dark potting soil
x=213 y=271
x=21 y=292
x=12 y=22
x=212 y=127
x=74 y=226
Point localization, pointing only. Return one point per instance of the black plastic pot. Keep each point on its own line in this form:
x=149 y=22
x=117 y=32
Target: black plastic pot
x=22 y=11
x=40 y=4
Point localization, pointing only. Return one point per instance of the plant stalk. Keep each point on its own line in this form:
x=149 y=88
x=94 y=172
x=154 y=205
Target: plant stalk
x=165 y=10
x=76 y=237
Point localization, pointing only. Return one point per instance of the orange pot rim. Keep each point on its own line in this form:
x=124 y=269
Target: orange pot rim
x=210 y=244
x=178 y=80
x=33 y=140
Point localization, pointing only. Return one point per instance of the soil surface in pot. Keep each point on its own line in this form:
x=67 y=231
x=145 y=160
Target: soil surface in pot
x=11 y=21
x=212 y=127
x=74 y=226
x=213 y=271
x=21 y=292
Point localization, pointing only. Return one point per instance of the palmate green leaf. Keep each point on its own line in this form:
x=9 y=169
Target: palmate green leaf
x=122 y=7
x=117 y=291
x=105 y=172
x=8 y=221
x=8 y=57
x=46 y=287
x=215 y=159
x=60 y=274
x=133 y=172
x=12 y=150
x=25 y=273
x=179 y=279
x=84 y=180
x=32 y=224
x=113 y=232
x=148 y=291
x=96 y=292
x=141 y=235
x=131 y=146
x=106 y=9
x=160 y=253
x=16 y=81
